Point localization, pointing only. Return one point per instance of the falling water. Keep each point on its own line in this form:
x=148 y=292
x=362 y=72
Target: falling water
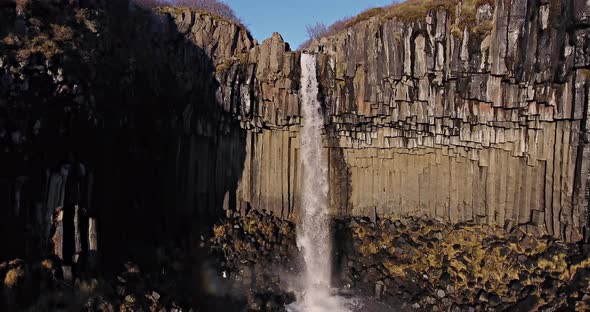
x=313 y=236
x=313 y=232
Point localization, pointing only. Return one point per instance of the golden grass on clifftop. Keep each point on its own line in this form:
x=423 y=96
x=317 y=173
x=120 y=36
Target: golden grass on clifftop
x=181 y=9
x=416 y=10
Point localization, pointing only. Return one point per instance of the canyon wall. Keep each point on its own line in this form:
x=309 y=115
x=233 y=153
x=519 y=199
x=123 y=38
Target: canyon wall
x=485 y=123
x=463 y=125
x=111 y=133
x=154 y=121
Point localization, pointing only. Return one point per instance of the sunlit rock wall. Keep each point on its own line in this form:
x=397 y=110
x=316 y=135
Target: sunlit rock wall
x=466 y=126
x=425 y=118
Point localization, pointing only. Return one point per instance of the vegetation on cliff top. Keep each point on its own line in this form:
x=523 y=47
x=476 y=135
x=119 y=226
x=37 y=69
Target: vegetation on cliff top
x=51 y=30
x=57 y=29
x=412 y=10
x=215 y=7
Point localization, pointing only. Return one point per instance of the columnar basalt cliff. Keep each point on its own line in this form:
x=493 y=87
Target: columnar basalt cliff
x=113 y=111
x=176 y=115
x=484 y=122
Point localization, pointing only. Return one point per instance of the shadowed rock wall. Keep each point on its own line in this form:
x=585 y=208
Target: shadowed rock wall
x=121 y=124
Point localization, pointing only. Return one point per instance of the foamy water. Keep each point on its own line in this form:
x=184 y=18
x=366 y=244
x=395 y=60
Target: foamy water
x=320 y=300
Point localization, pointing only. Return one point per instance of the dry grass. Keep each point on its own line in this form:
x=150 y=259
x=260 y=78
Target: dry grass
x=9 y=40
x=463 y=253
x=40 y=44
x=366 y=15
x=468 y=19
x=61 y=32
x=83 y=17
x=180 y=9
x=417 y=10
x=412 y=10
x=241 y=58
x=13 y=277
x=215 y=8
x=48 y=264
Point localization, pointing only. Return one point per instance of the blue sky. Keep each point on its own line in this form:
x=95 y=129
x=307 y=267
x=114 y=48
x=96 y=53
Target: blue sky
x=289 y=17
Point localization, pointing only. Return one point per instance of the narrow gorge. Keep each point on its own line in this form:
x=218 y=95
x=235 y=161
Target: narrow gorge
x=160 y=158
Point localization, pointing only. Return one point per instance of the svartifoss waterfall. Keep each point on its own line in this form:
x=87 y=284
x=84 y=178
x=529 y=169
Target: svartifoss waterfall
x=313 y=232
x=313 y=235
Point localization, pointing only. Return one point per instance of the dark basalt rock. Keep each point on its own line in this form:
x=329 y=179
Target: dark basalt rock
x=180 y=109
x=38 y=286
x=468 y=268
x=122 y=130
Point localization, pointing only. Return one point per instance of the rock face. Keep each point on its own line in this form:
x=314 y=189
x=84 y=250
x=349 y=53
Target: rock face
x=488 y=126
x=484 y=124
x=150 y=122
x=111 y=115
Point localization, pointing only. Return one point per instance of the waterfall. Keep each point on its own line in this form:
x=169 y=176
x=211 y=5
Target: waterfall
x=313 y=231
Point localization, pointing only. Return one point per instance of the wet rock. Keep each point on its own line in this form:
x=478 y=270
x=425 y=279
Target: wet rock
x=516 y=285
x=379 y=289
x=494 y=300
x=527 y=304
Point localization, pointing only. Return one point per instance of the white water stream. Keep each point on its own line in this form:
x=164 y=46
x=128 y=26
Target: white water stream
x=313 y=231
